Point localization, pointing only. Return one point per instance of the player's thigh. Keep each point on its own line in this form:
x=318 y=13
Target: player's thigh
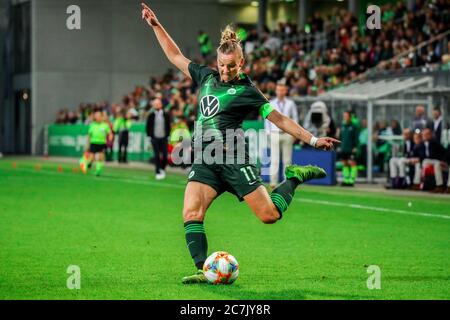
x=262 y=206
x=100 y=156
x=197 y=199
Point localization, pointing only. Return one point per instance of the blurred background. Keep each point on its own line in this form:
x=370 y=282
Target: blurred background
x=53 y=78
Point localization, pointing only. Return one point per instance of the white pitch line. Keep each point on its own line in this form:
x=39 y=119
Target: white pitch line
x=323 y=202
x=379 y=209
x=105 y=178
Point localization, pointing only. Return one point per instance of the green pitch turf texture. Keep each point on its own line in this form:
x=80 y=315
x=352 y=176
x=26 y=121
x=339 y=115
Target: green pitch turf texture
x=125 y=232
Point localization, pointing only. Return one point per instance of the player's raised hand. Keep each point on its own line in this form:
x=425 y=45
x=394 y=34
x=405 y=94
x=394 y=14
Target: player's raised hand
x=149 y=16
x=326 y=143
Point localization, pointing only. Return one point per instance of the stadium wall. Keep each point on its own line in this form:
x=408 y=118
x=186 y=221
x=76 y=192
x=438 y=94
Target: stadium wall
x=3 y=26
x=113 y=51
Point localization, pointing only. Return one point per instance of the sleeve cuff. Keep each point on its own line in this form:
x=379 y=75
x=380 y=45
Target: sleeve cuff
x=265 y=110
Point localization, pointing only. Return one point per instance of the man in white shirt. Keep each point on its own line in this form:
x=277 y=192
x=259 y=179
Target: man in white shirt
x=280 y=140
x=397 y=165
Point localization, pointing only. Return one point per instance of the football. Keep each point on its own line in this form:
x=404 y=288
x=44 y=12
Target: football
x=221 y=268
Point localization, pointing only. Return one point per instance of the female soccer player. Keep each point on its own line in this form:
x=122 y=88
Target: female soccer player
x=226 y=97
x=99 y=133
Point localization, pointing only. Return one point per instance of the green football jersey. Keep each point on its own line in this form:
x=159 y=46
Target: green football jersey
x=121 y=124
x=224 y=105
x=98 y=132
x=348 y=137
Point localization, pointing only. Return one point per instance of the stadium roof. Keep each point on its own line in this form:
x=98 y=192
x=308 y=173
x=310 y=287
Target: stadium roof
x=375 y=89
x=426 y=91
x=387 y=91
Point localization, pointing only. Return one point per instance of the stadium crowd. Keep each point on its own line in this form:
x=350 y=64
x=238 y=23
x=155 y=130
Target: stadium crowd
x=330 y=52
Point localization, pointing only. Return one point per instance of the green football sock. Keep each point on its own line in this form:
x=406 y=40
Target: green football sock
x=196 y=242
x=282 y=195
x=346 y=174
x=99 y=167
x=353 y=174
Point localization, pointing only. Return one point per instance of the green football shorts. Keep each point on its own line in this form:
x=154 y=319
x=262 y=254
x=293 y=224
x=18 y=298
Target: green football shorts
x=238 y=179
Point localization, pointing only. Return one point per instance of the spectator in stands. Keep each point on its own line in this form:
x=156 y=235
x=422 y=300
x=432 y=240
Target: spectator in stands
x=434 y=157
x=72 y=118
x=190 y=111
x=61 y=117
x=398 y=165
x=348 y=134
x=437 y=124
x=279 y=140
x=180 y=142
x=447 y=160
x=363 y=138
x=110 y=138
x=317 y=120
x=421 y=121
x=158 y=129
x=396 y=129
x=309 y=66
x=446 y=58
x=415 y=162
x=205 y=44
x=122 y=125
x=383 y=148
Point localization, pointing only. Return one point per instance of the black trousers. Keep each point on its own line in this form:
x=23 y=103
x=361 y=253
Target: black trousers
x=123 y=145
x=160 y=152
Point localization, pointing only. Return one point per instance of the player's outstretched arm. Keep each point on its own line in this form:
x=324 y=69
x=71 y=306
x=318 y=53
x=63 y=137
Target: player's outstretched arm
x=170 y=48
x=294 y=129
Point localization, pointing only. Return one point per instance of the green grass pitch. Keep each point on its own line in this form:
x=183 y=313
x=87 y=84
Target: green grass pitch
x=125 y=232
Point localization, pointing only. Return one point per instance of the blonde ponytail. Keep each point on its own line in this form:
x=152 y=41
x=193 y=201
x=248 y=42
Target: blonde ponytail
x=230 y=42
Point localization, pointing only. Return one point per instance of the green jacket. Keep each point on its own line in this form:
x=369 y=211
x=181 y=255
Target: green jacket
x=121 y=124
x=205 y=43
x=349 y=137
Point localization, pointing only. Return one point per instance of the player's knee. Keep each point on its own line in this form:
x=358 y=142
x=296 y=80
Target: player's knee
x=268 y=220
x=270 y=217
x=192 y=215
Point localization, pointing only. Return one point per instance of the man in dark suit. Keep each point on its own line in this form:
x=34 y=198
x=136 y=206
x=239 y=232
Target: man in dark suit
x=158 y=129
x=437 y=124
x=447 y=159
x=434 y=155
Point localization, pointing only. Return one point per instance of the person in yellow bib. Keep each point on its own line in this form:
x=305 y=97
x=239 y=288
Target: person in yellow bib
x=98 y=134
x=121 y=127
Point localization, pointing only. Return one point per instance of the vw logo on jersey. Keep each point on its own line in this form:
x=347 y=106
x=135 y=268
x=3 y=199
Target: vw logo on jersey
x=231 y=91
x=209 y=106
